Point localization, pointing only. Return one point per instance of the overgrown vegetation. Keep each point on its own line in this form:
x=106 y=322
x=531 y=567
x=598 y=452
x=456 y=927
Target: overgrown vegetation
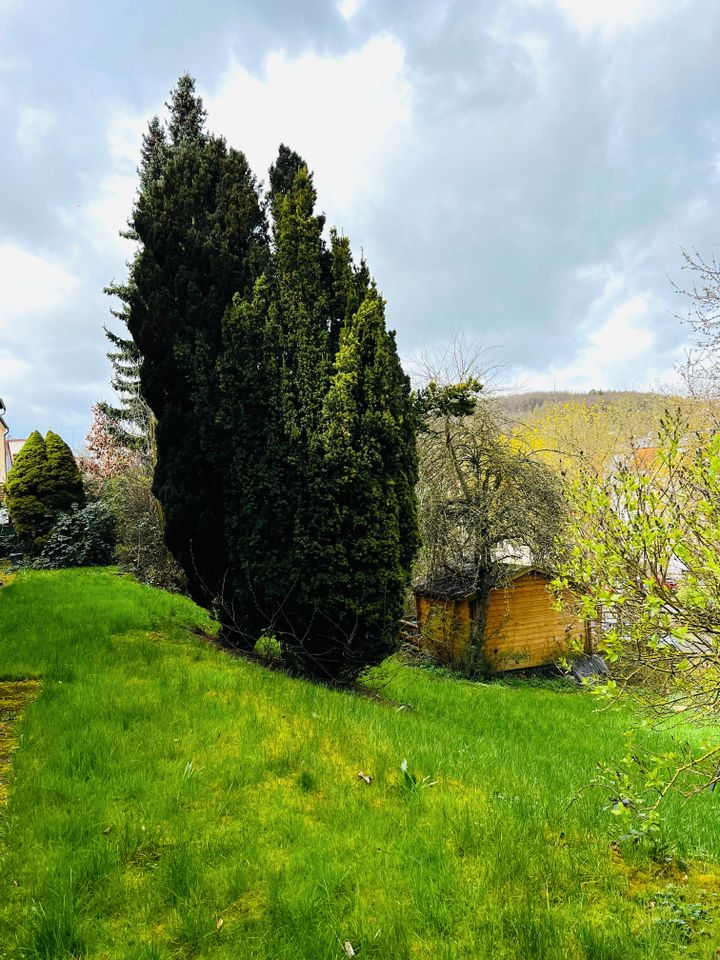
x=169 y=801
x=82 y=537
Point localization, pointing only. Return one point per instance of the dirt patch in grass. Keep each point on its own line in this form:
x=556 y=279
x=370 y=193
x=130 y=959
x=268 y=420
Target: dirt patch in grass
x=15 y=695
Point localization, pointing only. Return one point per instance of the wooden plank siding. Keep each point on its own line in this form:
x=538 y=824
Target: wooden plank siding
x=444 y=626
x=523 y=628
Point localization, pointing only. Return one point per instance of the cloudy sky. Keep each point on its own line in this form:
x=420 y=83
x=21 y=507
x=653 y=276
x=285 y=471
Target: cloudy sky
x=524 y=171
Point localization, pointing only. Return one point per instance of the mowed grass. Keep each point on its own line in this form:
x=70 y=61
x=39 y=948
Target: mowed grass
x=167 y=800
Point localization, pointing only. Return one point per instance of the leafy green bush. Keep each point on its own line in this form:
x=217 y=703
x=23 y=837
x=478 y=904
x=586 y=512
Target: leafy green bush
x=10 y=545
x=84 y=537
x=141 y=546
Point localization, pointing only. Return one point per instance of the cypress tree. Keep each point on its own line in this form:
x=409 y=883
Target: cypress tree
x=364 y=538
x=63 y=483
x=285 y=433
x=202 y=237
x=259 y=506
x=320 y=528
x=25 y=489
x=299 y=316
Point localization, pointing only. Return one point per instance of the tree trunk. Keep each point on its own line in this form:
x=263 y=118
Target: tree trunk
x=231 y=635
x=475 y=661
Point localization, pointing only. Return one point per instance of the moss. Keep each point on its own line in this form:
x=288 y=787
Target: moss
x=15 y=695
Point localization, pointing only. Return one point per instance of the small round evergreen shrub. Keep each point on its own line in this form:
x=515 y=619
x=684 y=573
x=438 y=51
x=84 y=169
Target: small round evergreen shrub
x=25 y=490
x=83 y=537
x=43 y=483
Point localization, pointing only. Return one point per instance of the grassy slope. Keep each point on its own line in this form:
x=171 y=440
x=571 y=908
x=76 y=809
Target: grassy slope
x=161 y=786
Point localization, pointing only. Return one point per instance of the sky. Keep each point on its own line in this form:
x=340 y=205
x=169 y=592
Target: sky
x=523 y=173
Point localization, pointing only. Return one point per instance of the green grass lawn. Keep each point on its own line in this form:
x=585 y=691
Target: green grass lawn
x=167 y=800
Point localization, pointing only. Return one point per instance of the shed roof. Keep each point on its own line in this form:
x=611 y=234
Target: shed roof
x=458 y=585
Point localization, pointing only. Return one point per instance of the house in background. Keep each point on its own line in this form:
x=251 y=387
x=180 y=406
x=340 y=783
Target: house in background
x=524 y=628
x=9 y=449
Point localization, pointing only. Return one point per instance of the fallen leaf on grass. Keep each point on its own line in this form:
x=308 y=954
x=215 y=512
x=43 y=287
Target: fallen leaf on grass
x=220 y=924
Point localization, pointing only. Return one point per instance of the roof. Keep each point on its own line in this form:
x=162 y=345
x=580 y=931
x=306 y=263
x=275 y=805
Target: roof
x=454 y=585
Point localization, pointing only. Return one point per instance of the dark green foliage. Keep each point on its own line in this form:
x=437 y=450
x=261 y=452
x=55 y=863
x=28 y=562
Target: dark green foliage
x=285 y=429
x=26 y=490
x=10 y=544
x=321 y=521
x=258 y=508
x=63 y=483
x=187 y=115
x=83 y=537
x=153 y=152
x=282 y=173
x=202 y=237
x=44 y=481
x=358 y=552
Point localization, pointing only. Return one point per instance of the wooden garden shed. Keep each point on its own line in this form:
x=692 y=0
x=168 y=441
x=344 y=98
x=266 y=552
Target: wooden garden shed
x=523 y=628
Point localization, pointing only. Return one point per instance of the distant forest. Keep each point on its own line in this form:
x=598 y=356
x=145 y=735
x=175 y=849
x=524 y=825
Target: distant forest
x=534 y=401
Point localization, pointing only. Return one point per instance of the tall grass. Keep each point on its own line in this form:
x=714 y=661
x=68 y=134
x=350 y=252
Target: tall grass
x=169 y=801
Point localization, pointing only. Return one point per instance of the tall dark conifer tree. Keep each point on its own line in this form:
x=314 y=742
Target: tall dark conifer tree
x=361 y=537
x=202 y=237
x=285 y=432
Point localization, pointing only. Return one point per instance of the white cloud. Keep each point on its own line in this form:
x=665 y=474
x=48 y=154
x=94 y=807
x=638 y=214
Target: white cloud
x=618 y=346
x=31 y=285
x=34 y=124
x=346 y=115
x=349 y=8
x=14 y=371
x=100 y=221
x=108 y=214
x=610 y=16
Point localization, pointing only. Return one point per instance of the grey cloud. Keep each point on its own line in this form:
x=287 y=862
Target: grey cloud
x=523 y=166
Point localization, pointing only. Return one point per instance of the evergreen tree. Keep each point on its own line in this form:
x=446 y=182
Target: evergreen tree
x=130 y=420
x=152 y=153
x=26 y=490
x=202 y=237
x=282 y=174
x=187 y=114
x=63 y=483
x=258 y=506
x=285 y=433
x=362 y=543
x=297 y=511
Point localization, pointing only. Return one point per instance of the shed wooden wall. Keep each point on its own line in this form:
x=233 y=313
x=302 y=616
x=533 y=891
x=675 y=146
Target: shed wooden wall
x=523 y=628
x=444 y=626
